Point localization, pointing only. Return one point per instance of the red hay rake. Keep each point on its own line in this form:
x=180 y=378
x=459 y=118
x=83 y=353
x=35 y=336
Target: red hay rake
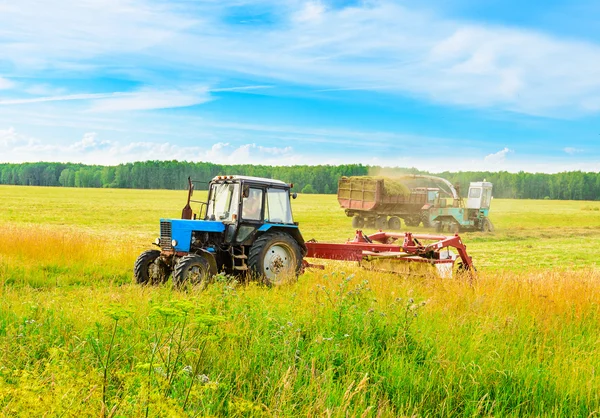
x=385 y=247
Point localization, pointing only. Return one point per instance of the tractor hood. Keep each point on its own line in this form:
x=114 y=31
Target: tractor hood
x=180 y=231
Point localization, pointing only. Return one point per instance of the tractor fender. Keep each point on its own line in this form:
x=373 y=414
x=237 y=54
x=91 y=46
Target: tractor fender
x=291 y=230
x=211 y=260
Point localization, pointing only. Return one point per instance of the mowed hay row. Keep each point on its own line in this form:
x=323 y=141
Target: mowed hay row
x=338 y=342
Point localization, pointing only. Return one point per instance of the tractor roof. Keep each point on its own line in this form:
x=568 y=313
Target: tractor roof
x=251 y=179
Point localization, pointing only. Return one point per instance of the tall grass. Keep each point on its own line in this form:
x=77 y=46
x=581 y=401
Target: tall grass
x=337 y=344
x=77 y=338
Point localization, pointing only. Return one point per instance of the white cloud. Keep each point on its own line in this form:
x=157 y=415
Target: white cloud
x=572 y=150
x=145 y=100
x=373 y=45
x=311 y=11
x=497 y=158
x=123 y=101
x=8 y=137
x=92 y=149
x=6 y=84
x=90 y=143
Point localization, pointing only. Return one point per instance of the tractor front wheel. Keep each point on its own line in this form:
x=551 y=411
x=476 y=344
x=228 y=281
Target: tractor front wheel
x=193 y=269
x=149 y=269
x=275 y=258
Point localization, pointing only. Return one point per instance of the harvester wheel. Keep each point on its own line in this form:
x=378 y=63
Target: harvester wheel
x=381 y=222
x=193 y=269
x=487 y=225
x=275 y=258
x=149 y=269
x=439 y=226
x=454 y=228
x=394 y=223
x=425 y=219
x=358 y=222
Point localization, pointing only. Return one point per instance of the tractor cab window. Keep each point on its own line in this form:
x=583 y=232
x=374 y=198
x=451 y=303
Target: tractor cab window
x=475 y=193
x=252 y=204
x=278 y=207
x=487 y=198
x=223 y=202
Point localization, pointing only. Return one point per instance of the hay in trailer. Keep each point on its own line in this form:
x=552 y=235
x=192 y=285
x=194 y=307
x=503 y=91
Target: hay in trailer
x=391 y=187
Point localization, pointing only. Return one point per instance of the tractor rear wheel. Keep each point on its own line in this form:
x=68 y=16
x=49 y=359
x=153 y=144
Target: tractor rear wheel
x=149 y=269
x=394 y=223
x=381 y=222
x=275 y=258
x=193 y=269
x=358 y=222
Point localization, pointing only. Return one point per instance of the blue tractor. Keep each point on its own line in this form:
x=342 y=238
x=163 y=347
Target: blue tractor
x=245 y=229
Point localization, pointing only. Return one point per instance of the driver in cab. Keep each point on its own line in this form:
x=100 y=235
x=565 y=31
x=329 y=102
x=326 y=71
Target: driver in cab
x=252 y=204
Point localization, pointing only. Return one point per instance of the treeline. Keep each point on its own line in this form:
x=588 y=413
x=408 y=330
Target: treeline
x=171 y=174
x=574 y=185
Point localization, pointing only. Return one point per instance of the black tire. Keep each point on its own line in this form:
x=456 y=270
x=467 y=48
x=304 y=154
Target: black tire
x=412 y=221
x=381 y=222
x=439 y=227
x=487 y=226
x=454 y=228
x=148 y=269
x=274 y=258
x=358 y=222
x=425 y=219
x=394 y=223
x=192 y=269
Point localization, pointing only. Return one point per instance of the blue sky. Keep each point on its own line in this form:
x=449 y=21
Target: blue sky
x=433 y=84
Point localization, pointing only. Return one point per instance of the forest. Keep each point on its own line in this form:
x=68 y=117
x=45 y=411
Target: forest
x=574 y=185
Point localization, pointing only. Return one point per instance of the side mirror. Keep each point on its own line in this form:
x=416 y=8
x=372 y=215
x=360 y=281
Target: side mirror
x=294 y=195
x=245 y=192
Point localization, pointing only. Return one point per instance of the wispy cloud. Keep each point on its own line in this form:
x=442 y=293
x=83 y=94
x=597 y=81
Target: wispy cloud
x=572 y=150
x=378 y=45
x=120 y=101
x=497 y=157
x=6 y=84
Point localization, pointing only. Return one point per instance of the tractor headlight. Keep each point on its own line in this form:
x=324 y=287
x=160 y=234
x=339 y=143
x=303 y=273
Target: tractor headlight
x=157 y=241
x=174 y=243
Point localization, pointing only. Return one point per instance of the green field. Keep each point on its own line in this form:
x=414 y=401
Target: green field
x=79 y=339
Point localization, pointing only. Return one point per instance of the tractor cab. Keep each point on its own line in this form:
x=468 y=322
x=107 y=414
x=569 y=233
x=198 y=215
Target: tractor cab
x=234 y=199
x=480 y=195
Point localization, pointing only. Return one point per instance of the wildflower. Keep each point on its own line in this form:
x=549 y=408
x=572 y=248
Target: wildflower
x=187 y=369
x=203 y=378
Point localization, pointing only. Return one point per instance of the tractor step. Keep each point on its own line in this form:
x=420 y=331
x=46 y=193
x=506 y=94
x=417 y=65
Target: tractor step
x=241 y=256
x=240 y=268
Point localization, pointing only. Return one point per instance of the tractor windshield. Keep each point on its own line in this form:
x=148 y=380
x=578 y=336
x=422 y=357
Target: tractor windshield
x=223 y=202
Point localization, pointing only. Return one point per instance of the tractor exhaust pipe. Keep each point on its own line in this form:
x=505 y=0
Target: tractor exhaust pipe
x=187 y=212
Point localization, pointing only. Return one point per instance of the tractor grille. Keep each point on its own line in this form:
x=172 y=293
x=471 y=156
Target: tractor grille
x=165 y=235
